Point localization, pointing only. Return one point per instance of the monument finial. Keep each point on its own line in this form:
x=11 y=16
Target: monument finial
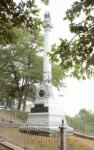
x=47 y=20
x=47 y=15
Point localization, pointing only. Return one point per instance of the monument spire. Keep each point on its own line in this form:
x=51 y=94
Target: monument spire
x=47 y=71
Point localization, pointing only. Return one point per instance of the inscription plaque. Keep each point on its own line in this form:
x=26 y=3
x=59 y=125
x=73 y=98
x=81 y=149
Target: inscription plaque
x=39 y=108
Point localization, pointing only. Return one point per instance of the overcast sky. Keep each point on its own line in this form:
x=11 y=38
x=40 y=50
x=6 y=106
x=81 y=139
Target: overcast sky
x=78 y=94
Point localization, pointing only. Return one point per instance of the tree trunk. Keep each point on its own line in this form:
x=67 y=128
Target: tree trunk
x=24 y=103
x=7 y=102
x=19 y=103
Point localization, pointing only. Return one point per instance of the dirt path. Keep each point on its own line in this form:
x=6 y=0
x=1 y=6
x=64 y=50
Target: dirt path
x=79 y=143
x=3 y=148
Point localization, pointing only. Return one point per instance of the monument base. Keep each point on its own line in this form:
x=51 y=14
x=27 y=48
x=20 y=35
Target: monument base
x=47 y=113
x=42 y=124
x=44 y=120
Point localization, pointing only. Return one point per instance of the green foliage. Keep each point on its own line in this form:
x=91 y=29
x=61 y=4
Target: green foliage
x=24 y=15
x=19 y=64
x=82 y=122
x=20 y=40
x=45 y=1
x=58 y=75
x=21 y=67
x=19 y=61
x=76 y=56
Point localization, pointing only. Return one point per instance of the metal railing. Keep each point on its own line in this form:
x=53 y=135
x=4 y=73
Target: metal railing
x=12 y=131
x=82 y=126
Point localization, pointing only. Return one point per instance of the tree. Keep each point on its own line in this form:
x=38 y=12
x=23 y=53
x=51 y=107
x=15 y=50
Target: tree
x=21 y=67
x=83 y=121
x=77 y=55
x=58 y=75
x=24 y=15
x=19 y=63
x=19 y=60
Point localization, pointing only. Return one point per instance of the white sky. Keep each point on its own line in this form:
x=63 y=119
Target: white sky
x=78 y=94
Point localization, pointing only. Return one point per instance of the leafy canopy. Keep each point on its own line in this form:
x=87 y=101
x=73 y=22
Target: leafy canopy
x=21 y=67
x=24 y=15
x=20 y=40
x=77 y=55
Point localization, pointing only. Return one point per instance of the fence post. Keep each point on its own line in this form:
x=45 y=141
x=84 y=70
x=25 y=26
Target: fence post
x=62 y=136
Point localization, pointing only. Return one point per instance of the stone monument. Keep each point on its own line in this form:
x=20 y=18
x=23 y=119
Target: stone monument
x=47 y=112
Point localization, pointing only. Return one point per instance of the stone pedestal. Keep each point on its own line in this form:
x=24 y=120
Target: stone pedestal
x=48 y=108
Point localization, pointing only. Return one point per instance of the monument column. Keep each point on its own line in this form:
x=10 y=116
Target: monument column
x=47 y=75
x=47 y=112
